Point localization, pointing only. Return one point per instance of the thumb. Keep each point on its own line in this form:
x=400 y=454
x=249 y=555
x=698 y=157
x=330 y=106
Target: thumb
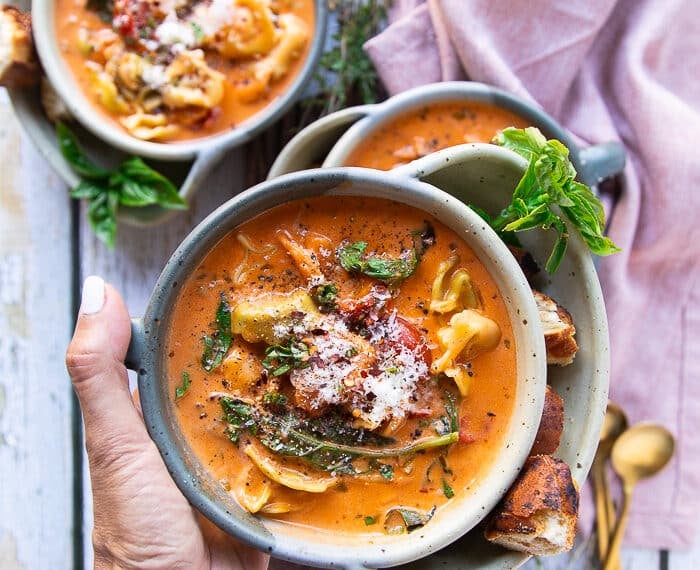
x=95 y=362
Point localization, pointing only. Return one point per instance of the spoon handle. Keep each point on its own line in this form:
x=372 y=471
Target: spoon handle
x=603 y=522
x=612 y=561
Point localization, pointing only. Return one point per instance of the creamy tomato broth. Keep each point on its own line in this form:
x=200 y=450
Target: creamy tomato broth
x=170 y=70
x=323 y=396
x=430 y=128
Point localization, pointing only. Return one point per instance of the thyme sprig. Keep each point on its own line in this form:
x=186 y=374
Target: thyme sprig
x=346 y=75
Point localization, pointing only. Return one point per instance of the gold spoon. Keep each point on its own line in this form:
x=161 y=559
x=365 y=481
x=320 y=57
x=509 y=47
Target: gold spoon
x=614 y=424
x=642 y=451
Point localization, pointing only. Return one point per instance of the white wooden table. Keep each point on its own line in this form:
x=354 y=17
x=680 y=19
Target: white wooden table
x=46 y=249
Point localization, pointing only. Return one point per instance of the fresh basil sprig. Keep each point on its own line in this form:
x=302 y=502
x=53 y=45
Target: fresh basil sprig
x=549 y=181
x=133 y=184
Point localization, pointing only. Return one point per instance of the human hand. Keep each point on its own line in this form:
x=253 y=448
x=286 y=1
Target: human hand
x=141 y=520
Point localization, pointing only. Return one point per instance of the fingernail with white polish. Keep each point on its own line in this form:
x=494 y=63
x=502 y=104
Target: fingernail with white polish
x=93 y=298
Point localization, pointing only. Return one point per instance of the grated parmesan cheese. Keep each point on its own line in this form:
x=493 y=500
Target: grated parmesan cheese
x=384 y=392
x=173 y=31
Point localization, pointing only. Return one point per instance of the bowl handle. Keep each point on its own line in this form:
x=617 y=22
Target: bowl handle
x=137 y=345
x=315 y=141
x=601 y=161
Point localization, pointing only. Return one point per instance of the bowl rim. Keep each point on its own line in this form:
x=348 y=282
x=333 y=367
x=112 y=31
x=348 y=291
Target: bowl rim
x=381 y=113
x=341 y=180
x=62 y=79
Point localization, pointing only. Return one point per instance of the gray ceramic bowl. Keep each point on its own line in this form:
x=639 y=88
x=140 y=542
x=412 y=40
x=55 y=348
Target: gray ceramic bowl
x=331 y=139
x=186 y=163
x=485 y=166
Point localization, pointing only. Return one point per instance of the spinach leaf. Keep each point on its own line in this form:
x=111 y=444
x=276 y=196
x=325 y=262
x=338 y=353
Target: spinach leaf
x=217 y=345
x=133 y=184
x=327 y=442
x=547 y=187
x=393 y=271
x=281 y=359
x=181 y=390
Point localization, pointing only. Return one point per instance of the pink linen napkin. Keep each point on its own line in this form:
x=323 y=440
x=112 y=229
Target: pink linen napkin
x=606 y=69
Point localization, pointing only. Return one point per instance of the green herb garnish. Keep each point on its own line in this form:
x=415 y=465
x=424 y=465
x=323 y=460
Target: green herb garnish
x=181 y=390
x=389 y=270
x=133 y=184
x=281 y=359
x=217 y=345
x=447 y=490
x=326 y=297
x=327 y=442
x=370 y=521
x=346 y=75
x=275 y=399
x=392 y=271
x=197 y=31
x=386 y=471
x=549 y=182
x=401 y=519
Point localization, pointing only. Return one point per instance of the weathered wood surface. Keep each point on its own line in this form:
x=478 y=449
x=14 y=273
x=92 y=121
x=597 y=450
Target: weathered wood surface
x=37 y=285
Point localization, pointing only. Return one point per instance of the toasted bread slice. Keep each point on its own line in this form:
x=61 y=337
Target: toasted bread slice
x=538 y=514
x=558 y=329
x=18 y=63
x=551 y=424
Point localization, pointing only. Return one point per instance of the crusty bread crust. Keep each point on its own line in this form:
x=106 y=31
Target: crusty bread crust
x=18 y=64
x=558 y=329
x=551 y=424
x=538 y=514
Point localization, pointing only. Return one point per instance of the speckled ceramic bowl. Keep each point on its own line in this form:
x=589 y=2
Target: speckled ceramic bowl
x=489 y=167
x=583 y=384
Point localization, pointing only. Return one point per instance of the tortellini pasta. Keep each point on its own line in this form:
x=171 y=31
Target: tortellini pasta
x=162 y=69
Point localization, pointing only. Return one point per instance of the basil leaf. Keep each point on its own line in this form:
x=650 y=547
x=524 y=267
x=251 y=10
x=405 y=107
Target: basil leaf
x=75 y=156
x=87 y=190
x=181 y=390
x=134 y=194
x=281 y=359
x=546 y=189
x=447 y=490
x=135 y=169
x=133 y=184
x=350 y=256
x=217 y=345
x=102 y=215
x=351 y=259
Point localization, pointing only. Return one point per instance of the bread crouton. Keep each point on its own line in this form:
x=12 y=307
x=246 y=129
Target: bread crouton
x=54 y=107
x=558 y=329
x=551 y=424
x=538 y=514
x=18 y=64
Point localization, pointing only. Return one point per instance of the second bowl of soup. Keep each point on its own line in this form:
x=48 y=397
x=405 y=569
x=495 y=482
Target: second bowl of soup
x=342 y=367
